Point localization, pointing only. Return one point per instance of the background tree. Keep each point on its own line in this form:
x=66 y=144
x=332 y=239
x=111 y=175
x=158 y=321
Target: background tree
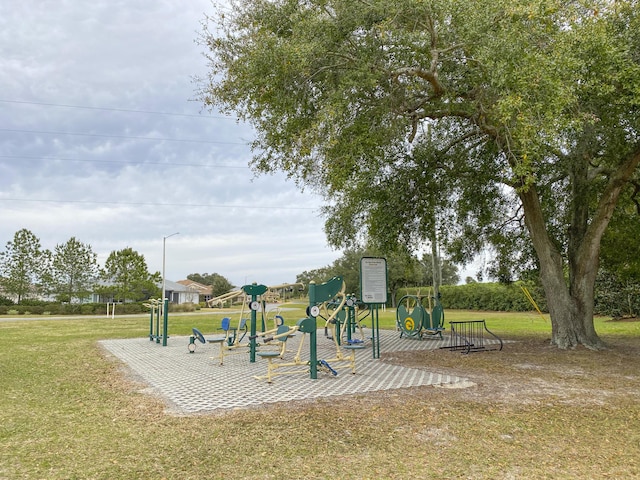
x=21 y=265
x=489 y=122
x=318 y=275
x=219 y=284
x=128 y=278
x=72 y=271
x=620 y=253
x=618 y=285
x=403 y=270
x=448 y=271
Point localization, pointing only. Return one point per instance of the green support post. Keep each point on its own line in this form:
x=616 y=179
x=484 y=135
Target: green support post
x=151 y=322
x=375 y=331
x=254 y=291
x=165 y=321
x=313 y=352
x=351 y=319
x=157 y=335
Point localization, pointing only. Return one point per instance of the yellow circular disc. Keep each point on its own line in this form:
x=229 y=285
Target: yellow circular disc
x=408 y=324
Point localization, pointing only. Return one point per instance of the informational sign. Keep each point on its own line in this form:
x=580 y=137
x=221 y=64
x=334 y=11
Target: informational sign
x=373 y=279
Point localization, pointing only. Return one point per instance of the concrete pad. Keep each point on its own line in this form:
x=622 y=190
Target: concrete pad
x=195 y=383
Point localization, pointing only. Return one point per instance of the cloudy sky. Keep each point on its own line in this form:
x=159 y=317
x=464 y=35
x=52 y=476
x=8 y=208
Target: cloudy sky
x=101 y=139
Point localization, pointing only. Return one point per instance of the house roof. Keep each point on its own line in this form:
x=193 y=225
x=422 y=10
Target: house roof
x=175 y=287
x=199 y=287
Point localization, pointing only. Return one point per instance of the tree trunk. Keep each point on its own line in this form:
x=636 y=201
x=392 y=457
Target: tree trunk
x=571 y=310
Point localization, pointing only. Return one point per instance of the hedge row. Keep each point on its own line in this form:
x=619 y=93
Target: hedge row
x=485 y=296
x=612 y=298
x=71 y=309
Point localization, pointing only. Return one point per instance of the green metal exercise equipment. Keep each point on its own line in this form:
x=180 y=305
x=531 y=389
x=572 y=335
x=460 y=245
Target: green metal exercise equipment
x=197 y=335
x=254 y=291
x=415 y=319
x=157 y=308
x=347 y=321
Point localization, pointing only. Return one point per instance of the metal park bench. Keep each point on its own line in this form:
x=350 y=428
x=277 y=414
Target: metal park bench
x=468 y=336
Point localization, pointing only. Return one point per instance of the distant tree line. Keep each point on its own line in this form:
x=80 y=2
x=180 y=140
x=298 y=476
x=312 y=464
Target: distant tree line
x=70 y=273
x=404 y=269
x=219 y=284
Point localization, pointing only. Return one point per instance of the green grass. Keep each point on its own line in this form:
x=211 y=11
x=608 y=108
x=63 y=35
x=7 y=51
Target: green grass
x=67 y=411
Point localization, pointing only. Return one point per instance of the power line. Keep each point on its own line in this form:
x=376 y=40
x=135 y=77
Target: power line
x=152 y=204
x=115 y=162
x=113 y=109
x=127 y=137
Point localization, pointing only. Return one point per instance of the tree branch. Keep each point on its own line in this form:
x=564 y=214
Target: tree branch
x=428 y=75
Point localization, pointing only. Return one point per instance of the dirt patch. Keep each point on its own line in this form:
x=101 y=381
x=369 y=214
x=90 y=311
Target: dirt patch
x=534 y=372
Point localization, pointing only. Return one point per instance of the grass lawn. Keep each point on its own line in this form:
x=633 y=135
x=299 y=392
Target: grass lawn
x=67 y=411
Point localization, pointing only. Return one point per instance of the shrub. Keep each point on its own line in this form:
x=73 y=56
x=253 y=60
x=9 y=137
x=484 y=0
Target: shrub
x=183 y=307
x=615 y=296
x=485 y=296
x=5 y=302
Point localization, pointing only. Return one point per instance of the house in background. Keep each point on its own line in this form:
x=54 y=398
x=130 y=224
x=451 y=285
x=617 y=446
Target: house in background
x=178 y=293
x=204 y=291
x=175 y=292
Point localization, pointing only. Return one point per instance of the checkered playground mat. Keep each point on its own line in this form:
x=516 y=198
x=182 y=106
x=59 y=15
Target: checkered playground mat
x=196 y=383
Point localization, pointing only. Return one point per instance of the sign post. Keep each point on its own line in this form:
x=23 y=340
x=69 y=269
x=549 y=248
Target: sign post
x=373 y=291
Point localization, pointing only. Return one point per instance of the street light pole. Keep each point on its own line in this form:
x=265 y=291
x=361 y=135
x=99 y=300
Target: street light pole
x=164 y=243
x=165 y=302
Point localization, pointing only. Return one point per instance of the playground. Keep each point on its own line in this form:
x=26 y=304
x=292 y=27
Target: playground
x=196 y=383
x=256 y=361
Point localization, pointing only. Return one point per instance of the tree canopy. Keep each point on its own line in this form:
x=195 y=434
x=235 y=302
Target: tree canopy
x=218 y=283
x=21 y=265
x=71 y=271
x=403 y=270
x=128 y=277
x=505 y=123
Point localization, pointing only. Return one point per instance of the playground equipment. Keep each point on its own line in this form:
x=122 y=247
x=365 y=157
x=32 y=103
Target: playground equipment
x=197 y=334
x=296 y=365
x=527 y=294
x=347 y=321
x=155 y=306
x=254 y=299
x=270 y=295
x=320 y=296
x=272 y=316
x=415 y=319
x=282 y=334
x=220 y=300
x=232 y=339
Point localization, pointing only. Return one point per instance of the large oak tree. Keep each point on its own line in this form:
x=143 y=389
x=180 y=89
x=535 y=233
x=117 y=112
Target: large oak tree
x=488 y=122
